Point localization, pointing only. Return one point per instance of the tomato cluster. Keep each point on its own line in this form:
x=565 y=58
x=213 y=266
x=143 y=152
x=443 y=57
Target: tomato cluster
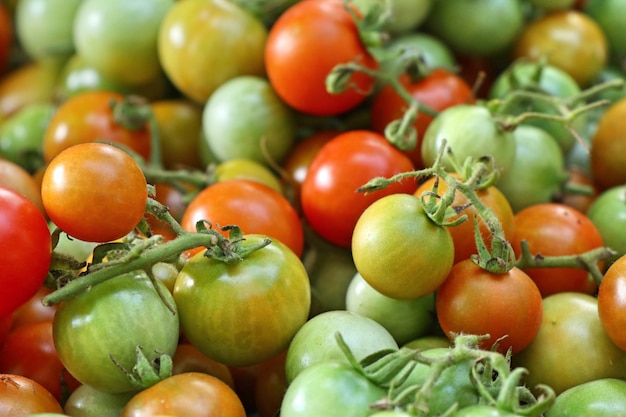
x=312 y=207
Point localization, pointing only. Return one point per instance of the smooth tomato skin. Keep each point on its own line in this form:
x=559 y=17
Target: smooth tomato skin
x=332 y=389
x=438 y=90
x=17 y=178
x=609 y=148
x=605 y=397
x=348 y=161
x=245 y=313
x=188 y=358
x=94 y=192
x=254 y=207
x=608 y=212
x=6 y=37
x=398 y=250
x=26 y=246
x=120 y=313
x=191 y=394
x=21 y=396
x=202 y=44
x=86 y=401
x=473 y=300
x=553 y=229
x=33 y=311
x=303 y=46
x=463 y=234
x=571 y=332
x=270 y=386
x=612 y=302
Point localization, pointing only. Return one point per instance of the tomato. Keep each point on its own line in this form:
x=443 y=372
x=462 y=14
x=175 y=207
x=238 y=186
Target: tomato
x=180 y=132
x=537 y=174
x=244 y=168
x=553 y=229
x=463 y=234
x=468 y=28
x=332 y=389
x=256 y=305
x=44 y=29
x=402 y=15
x=245 y=118
x=188 y=358
x=608 y=214
x=270 y=386
x=6 y=37
x=470 y=130
x=581 y=201
x=399 y=250
x=86 y=401
x=6 y=323
x=484 y=410
x=192 y=394
x=571 y=333
x=567 y=39
x=438 y=90
x=202 y=44
x=94 y=192
x=88 y=117
x=254 y=207
x=303 y=46
x=29 y=351
x=611 y=302
x=315 y=341
x=120 y=37
x=552 y=5
x=26 y=246
x=607 y=145
x=21 y=396
x=609 y=15
x=404 y=319
x=510 y=306
x=110 y=321
x=329 y=199
x=604 y=397
x=33 y=82
x=34 y=311
x=16 y=178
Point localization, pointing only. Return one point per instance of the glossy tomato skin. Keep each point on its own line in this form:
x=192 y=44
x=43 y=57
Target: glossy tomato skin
x=21 y=396
x=121 y=313
x=571 y=332
x=328 y=197
x=86 y=401
x=94 y=192
x=553 y=229
x=254 y=207
x=438 y=90
x=612 y=303
x=609 y=143
x=202 y=44
x=245 y=313
x=26 y=246
x=192 y=394
x=307 y=41
x=608 y=213
x=188 y=358
x=17 y=178
x=605 y=397
x=473 y=300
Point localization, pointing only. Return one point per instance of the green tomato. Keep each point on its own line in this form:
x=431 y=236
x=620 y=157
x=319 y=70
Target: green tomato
x=483 y=410
x=605 y=397
x=404 y=319
x=402 y=16
x=610 y=15
x=119 y=37
x=608 y=213
x=330 y=389
x=552 y=5
x=432 y=51
x=244 y=313
x=245 y=118
x=109 y=321
x=315 y=341
x=86 y=401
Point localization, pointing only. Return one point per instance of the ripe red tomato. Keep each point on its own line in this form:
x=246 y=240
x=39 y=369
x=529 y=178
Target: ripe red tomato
x=473 y=300
x=254 y=207
x=553 y=229
x=329 y=199
x=26 y=248
x=6 y=37
x=94 y=192
x=33 y=310
x=88 y=117
x=306 y=42
x=15 y=177
x=21 y=396
x=188 y=358
x=439 y=90
x=612 y=302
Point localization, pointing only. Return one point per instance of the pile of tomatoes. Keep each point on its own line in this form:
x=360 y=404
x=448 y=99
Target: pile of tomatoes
x=312 y=207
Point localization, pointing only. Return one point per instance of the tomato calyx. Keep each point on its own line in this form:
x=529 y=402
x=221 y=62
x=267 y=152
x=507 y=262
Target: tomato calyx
x=229 y=250
x=145 y=373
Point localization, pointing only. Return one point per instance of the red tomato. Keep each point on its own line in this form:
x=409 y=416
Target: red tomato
x=475 y=301
x=6 y=36
x=553 y=229
x=439 y=90
x=15 y=177
x=188 y=358
x=329 y=199
x=88 y=117
x=612 y=302
x=306 y=42
x=21 y=396
x=254 y=207
x=270 y=386
x=33 y=311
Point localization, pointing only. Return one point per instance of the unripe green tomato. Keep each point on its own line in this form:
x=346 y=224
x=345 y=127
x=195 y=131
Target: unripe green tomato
x=608 y=213
x=604 y=397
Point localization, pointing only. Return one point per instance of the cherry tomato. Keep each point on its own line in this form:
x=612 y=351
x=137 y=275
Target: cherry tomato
x=608 y=145
x=329 y=199
x=604 y=397
x=188 y=358
x=86 y=401
x=34 y=82
x=244 y=168
x=553 y=229
x=88 y=117
x=306 y=42
x=611 y=302
x=609 y=15
x=94 y=192
x=608 y=213
x=21 y=396
x=26 y=246
x=510 y=306
x=33 y=311
x=270 y=386
x=15 y=177
x=6 y=37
